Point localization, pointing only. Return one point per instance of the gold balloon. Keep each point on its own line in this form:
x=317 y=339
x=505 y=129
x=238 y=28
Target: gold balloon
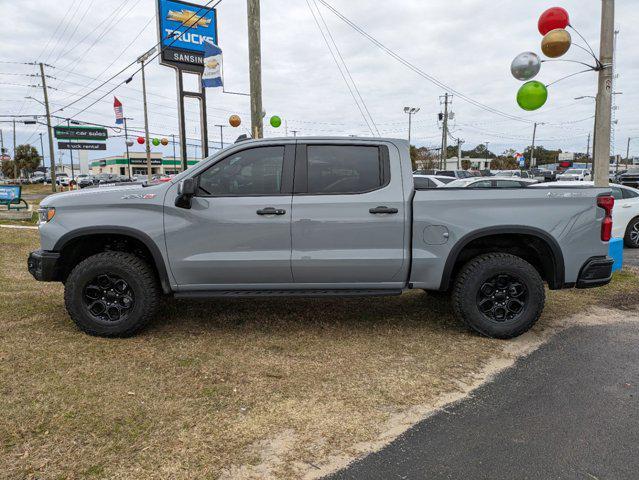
x=234 y=120
x=556 y=42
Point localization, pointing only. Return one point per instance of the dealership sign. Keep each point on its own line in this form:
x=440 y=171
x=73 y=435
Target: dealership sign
x=80 y=133
x=142 y=161
x=81 y=146
x=184 y=28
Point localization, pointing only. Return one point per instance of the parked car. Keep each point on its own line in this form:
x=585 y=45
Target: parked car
x=62 y=179
x=108 y=178
x=87 y=181
x=431 y=181
x=542 y=174
x=492 y=182
x=574 y=174
x=630 y=178
x=625 y=214
x=318 y=216
x=37 y=177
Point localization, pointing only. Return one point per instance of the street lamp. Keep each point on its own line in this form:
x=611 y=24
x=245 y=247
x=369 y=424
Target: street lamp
x=487 y=143
x=410 y=111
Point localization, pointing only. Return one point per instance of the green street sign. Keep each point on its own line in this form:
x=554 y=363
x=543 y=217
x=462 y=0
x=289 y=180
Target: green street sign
x=80 y=133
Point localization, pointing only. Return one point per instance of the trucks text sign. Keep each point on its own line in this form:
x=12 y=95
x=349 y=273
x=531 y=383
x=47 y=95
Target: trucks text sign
x=183 y=29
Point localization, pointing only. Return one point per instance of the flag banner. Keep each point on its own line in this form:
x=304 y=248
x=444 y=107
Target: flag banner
x=119 y=112
x=212 y=76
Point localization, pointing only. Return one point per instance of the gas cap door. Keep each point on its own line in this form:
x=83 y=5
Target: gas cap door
x=436 y=235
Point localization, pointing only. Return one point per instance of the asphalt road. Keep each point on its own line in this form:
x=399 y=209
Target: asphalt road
x=570 y=410
x=631 y=256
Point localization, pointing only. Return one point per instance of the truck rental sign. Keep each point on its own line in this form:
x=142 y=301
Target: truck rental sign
x=183 y=29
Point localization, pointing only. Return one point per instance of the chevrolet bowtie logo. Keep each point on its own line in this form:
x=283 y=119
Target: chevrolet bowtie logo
x=188 y=18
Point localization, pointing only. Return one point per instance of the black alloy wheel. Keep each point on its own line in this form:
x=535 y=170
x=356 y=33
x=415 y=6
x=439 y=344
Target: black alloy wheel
x=108 y=297
x=502 y=298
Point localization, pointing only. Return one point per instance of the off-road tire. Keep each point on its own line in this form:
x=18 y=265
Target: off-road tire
x=140 y=280
x=474 y=276
x=627 y=238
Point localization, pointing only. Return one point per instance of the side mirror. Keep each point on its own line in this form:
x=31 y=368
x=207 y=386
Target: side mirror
x=186 y=190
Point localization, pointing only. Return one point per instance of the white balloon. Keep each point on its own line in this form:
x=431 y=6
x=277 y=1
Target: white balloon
x=525 y=66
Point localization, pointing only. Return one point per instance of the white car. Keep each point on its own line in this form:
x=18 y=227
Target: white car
x=625 y=213
x=490 y=182
x=575 y=174
x=431 y=181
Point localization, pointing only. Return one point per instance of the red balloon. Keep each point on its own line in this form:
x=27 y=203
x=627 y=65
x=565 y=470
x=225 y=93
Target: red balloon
x=141 y=140
x=555 y=17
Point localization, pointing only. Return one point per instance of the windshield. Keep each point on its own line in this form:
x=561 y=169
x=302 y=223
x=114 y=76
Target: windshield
x=574 y=171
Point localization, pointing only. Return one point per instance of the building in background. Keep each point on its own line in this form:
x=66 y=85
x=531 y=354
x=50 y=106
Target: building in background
x=118 y=165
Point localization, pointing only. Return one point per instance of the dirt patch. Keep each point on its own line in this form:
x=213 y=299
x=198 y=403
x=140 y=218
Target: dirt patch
x=265 y=388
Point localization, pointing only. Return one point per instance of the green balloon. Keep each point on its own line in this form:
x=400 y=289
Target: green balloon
x=276 y=121
x=532 y=95
x=156 y=142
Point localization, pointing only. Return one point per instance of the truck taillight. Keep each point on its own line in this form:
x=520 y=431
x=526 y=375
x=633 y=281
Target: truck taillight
x=607 y=203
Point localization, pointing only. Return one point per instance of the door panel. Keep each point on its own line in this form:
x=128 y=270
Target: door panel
x=241 y=237
x=336 y=237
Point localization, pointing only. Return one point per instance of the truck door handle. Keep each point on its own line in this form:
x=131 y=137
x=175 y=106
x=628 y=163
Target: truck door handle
x=271 y=211
x=383 y=209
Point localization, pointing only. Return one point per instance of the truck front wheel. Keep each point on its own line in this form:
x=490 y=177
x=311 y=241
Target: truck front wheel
x=498 y=295
x=112 y=294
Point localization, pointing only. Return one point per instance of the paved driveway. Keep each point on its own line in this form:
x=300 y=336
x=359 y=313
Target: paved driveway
x=570 y=410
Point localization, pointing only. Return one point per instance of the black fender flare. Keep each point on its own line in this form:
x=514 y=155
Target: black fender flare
x=158 y=259
x=557 y=280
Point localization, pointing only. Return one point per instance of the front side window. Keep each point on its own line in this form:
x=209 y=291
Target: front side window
x=343 y=169
x=256 y=171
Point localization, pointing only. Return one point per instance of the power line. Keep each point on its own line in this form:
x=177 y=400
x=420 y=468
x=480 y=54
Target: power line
x=348 y=72
x=418 y=70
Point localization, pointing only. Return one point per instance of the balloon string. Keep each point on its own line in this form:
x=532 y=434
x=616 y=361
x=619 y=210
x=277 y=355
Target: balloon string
x=590 y=50
x=571 y=61
x=571 y=75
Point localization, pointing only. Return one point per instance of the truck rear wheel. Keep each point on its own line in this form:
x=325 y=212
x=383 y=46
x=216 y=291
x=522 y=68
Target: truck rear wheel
x=498 y=295
x=112 y=294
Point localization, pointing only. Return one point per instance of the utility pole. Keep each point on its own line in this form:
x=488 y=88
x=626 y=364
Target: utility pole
x=15 y=163
x=603 y=113
x=71 y=157
x=221 y=135
x=174 y=160
x=255 y=67
x=141 y=61
x=443 y=153
x=487 y=143
x=532 y=150
x=49 y=130
x=126 y=142
x=41 y=148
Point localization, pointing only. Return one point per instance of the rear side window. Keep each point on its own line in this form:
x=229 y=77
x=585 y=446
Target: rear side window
x=482 y=184
x=422 y=183
x=344 y=169
x=617 y=193
x=629 y=193
x=508 y=184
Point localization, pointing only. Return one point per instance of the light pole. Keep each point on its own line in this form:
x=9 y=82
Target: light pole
x=141 y=61
x=628 y=149
x=221 y=135
x=487 y=143
x=410 y=111
x=126 y=142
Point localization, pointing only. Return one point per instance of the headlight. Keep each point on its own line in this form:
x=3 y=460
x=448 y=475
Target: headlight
x=46 y=214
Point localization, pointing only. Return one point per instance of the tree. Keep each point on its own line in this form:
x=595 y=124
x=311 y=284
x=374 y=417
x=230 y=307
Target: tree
x=27 y=158
x=7 y=168
x=480 y=151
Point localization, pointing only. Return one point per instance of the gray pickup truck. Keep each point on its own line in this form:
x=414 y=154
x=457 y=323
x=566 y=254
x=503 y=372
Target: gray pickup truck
x=318 y=217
